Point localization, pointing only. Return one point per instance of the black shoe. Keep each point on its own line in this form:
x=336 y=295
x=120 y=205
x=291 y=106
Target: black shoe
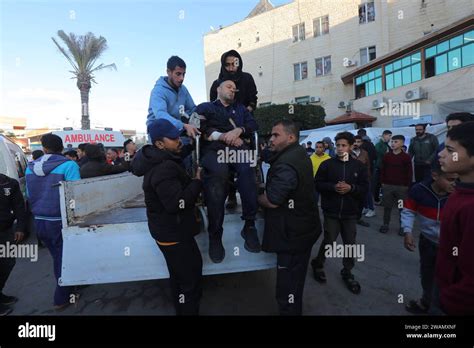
x=318 y=273
x=400 y=232
x=383 y=229
x=4 y=310
x=252 y=244
x=231 y=202
x=7 y=300
x=351 y=284
x=363 y=223
x=216 y=250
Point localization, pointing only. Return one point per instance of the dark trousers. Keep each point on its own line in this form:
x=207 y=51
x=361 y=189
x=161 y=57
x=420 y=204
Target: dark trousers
x=185 y=268
x=6 y=263
x=332 y=228
x=291 y=276
x=376 y=184
x=216 y=188
x=422 y=171
x=49 y=232
x=428 y=251
x=393 y=196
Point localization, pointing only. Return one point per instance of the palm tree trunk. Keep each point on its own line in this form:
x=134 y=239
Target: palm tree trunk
x=85 y=121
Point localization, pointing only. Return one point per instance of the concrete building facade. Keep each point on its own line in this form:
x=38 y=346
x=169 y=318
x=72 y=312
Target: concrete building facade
x=320 y=51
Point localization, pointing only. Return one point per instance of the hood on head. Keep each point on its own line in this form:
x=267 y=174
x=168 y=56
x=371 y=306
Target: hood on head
x=148 y=157
x=46 y=164
x=224 y=75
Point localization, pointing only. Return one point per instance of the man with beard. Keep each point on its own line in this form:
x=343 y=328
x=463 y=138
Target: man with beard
x=246 y=94
x=423 y=148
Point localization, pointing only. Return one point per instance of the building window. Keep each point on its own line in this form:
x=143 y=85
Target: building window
x=367 y=54
x=300 y=71
x=302 y=100
x=323 y=66
x=366 y=12
x=321 y=26
x=403 y=71
x=450 y=55
x=369 y=83
x=298 y=32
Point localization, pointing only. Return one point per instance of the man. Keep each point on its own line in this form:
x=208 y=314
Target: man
x=342 y=182
x=455 y=261
x=423 y=149
x=97 y=164
x=113 y=157
x=361 y=155
x=231 y=69
x=309 y=148
x=329 y=147
x=317 y=158
x=170 y=99
x=368 y=146
x=81 y=154
x=170 y=198
x=12 y=207
x=71 y=155
x=382 y=147
x=42 y=179
x=130 y=148
x=292 y=222
x=37 y=154
x=246 y=94
x=225 y=127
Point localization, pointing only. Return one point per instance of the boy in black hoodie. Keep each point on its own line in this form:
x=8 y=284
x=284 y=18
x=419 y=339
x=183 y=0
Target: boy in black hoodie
x=170 y=197
x=343 y=183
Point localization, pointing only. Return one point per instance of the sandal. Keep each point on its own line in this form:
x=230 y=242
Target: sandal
x=416 y=307
x=351 y=284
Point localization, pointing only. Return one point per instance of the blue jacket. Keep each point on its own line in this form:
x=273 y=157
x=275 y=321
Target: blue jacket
x=166 y=103
x=42 y=177
x=422 y=201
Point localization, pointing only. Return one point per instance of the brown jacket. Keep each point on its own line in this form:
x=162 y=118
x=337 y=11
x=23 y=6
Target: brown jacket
x=364 y=158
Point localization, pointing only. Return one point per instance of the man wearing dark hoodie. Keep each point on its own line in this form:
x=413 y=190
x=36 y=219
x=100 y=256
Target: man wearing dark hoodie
x=12 y=207
x=97 y=164
x=42 y=182
x=246 y=94
x=170 y=197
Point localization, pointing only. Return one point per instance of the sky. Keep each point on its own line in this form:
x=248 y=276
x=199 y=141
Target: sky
x=35 y=78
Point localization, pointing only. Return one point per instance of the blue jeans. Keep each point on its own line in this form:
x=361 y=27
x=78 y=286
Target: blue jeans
x=369 y=198
x=50 y=233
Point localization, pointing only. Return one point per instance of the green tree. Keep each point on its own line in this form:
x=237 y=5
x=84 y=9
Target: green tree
x=82 y=53
x=305 y=116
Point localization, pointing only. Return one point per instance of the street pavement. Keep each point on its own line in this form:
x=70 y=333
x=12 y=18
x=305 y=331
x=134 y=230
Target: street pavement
x=389 y=277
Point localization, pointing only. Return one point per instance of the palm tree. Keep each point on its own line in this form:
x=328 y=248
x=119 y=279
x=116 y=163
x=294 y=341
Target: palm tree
x=83 y=51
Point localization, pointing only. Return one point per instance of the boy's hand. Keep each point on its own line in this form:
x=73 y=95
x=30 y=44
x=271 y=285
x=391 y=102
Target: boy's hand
x=342 y=187
x=19 y=237
x=409 y=242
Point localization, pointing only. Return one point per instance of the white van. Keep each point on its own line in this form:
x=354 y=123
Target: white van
x=13 y=161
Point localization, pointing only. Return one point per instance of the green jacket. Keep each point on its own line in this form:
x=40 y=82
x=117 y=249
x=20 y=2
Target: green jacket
x=382 y=148
x=424 y=149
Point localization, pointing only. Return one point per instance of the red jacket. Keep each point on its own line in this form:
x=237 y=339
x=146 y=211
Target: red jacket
x=455 y=260
x=396 y=169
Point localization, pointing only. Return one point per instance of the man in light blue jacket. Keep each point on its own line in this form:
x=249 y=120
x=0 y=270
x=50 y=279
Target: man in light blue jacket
x=170 y=99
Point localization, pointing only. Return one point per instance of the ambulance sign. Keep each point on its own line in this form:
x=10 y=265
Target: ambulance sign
x=76 y=137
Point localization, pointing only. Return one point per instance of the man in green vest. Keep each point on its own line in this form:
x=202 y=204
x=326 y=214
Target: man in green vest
x=292 y=222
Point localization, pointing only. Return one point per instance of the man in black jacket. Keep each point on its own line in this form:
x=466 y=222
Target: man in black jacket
x=292 y=222
x=246 y=94
x=343 y=183
x=97 y=165
x=12 y=206
x=170 y=197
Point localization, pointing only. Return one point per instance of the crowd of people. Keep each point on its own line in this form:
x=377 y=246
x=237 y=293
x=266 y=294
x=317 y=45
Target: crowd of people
x=348 y=176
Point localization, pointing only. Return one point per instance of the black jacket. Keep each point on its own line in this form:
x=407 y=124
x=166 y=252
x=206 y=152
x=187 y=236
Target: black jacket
x=12 y=205
x=170 y=194
x=98 y=167
x=244 y=82
x=354 y=173
x=370 y=148
x=294 y=226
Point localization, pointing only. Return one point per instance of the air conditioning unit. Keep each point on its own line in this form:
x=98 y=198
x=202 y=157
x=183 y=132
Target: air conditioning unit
x=315 y=99
x=349 y=107
x=341 y=105
x=348 y=63
x=415 y=94
x=377 y=104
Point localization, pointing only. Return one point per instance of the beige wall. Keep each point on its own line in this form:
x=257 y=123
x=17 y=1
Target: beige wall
x=275 y=53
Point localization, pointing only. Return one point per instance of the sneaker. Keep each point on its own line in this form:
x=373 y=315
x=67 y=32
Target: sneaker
x=216 y=250
x=363 y=223
x=252 y=244
x=4 y=310
x=364 y=211
x=370 y=213
x=7 y=300
x=383 y=229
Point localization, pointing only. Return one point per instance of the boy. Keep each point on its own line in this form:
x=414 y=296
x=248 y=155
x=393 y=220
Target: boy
x=426 y=200
x=395 y=177
x=343 y=183
x=455 y=261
